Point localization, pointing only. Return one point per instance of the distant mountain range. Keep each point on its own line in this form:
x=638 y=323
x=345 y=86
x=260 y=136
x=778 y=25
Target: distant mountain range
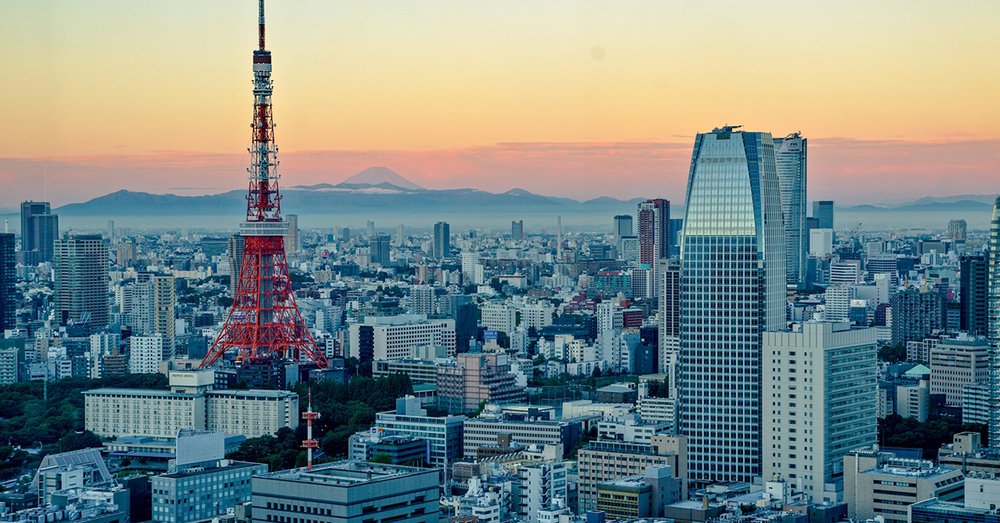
x=381 y=190
x=370 y=191
x=961 y=202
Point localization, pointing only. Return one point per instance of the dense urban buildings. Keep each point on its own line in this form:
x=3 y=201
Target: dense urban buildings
x=743 y=363
x=732 y=291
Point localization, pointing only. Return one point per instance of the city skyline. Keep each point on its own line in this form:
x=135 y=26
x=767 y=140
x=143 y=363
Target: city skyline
x=612 y=93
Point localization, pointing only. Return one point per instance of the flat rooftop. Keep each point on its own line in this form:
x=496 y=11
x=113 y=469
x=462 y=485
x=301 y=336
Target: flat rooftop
x=346 y=473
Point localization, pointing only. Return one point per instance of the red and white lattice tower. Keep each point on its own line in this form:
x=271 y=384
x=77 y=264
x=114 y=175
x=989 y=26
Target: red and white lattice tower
x=309 y=443
x=264 y=322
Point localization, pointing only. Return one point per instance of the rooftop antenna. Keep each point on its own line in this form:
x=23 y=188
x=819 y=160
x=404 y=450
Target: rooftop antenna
x=309 y=443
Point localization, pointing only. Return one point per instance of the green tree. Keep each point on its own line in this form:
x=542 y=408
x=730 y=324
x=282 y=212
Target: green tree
x=892 y=353
x=79 y=440
x=381 y=457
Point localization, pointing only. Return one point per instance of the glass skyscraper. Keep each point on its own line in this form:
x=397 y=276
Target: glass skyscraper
x=732 y=290
x=790 y=162
x=994 y=325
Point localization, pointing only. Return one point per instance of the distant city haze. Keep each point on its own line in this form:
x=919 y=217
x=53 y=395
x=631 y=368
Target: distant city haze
x=576 y=99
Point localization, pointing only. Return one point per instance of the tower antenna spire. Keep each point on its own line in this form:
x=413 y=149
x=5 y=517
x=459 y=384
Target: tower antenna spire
x=260 y=23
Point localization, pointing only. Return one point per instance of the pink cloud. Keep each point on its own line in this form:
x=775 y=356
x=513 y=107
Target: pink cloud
x=851 y=171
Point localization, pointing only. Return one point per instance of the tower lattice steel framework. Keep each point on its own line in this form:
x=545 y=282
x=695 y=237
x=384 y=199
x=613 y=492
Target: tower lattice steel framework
x=264 y=321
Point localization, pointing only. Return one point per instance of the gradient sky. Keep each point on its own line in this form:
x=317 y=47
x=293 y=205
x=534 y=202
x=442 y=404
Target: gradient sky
x=900 y=99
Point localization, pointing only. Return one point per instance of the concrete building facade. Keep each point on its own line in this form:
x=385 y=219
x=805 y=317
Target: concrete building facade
x=820 y=403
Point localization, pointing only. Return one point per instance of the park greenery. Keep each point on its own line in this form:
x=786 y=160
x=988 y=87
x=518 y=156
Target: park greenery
x=32 y=426
x=344 y=410
x=897 y=431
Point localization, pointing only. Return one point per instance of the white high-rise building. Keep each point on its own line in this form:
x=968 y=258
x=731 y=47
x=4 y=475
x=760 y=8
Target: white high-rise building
x=733 y=290
x=838 y=301
x=820 y=242
x=101 y=345
x=790 y=161
x=994 y=325
x=472 y=270
x=537 y=315
x=819 y=404
x=145 y=354
x=422 y=300
x=395 y=337
x=499 y=316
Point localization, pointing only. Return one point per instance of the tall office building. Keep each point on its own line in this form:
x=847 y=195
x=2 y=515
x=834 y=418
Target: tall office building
x=145 y=354
x=517 y=230
x=917 y=313
x=381 y=249
x=422 y=300
x=39 y=230
x=790 y=162
x=623 y=225
x=164 y=298
x=823 y=212
x=674 y=236
x=974 y=286
x=732 y=290
x=670 y=319
x=81 y=279
x=235 y=255
x=994 y=325
x=292 y=236
x=820 y=404
x=442 y=240
x=8 y=296
x=654 y=223
x=957 y=230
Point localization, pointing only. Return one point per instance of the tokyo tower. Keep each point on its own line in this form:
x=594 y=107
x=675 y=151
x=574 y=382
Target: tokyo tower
x=264 y=322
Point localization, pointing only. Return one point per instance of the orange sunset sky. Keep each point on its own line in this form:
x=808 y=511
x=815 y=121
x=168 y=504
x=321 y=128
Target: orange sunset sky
x=900 y=99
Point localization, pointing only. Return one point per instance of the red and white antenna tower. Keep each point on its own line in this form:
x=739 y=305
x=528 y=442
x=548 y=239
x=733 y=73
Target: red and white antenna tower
x=264 y=321
x=309 y=443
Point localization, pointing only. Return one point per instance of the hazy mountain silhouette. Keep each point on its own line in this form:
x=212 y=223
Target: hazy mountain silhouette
x=381 y=175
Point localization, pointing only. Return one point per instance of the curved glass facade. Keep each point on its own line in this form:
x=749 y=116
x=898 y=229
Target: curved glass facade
x=732 y=290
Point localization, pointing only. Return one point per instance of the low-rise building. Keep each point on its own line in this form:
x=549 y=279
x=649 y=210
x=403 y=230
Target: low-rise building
x=601 y=461
x=967 y=454
x=191 y=403
x=443 y=433
x=957 y=363
x=474 y=379
x=202 y=492
x=395 y=449
x=483 y=431
x=419 y=371
x=880 y=484
x=347 y=492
